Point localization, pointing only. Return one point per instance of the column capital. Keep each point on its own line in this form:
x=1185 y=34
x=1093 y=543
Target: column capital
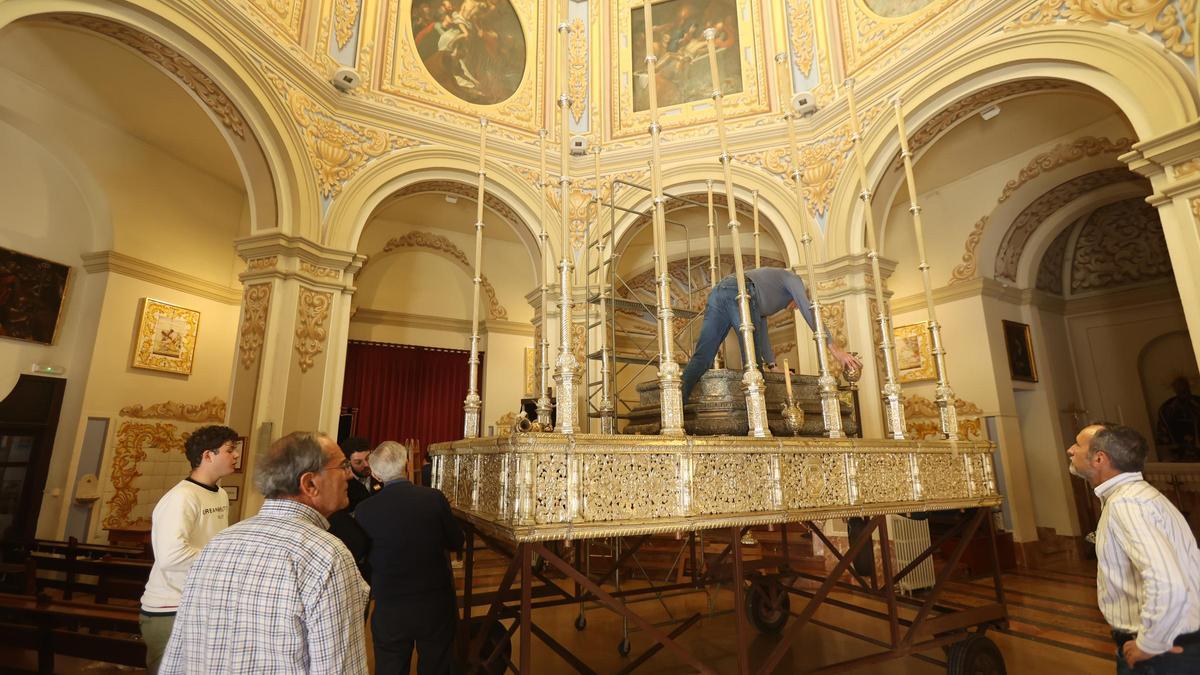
x=1170 y=161
x=280 y=256
x=848 y=274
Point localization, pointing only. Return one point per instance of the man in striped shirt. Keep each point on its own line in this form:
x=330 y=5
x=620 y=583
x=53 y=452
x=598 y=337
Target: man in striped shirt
x=277 y=593
x=1148 y=566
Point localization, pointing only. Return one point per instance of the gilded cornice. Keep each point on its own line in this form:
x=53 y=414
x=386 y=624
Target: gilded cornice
x=136 y=268
x=1169 y=21
x=175 y=64
x=212 y=410
x=337 y=146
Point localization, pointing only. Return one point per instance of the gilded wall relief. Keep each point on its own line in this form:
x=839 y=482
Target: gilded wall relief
x=1120 y=244
x=800 y=27
x=577 y=69
x=1168 y=21
x=212 y=410
x=833 y=317
x=1186 y=169
x=312 y=319
x=683 y=78
x=284 y=15
x=133 y=439
x=337 y=147
x=171 y=61
x=436 y=242
x=1023 y=226
x=474 y=49
x=682 y=70
x=255 y=303
x=922 y=420
x=345 y=15
x=969 y=267
x=1062 y=154
x=459 y=55
x=867 y=35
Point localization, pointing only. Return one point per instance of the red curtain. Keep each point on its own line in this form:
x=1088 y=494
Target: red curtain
x=404 y=392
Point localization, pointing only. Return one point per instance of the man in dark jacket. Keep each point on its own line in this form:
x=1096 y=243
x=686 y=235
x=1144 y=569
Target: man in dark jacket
x=342 y=524
x=412 y=531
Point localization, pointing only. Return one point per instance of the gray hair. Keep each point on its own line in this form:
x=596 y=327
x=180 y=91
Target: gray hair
x=388 y=461
x=278 y=472
x=1125 y=447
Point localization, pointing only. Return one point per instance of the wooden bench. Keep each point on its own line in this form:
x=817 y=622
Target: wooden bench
x=83 y=630
x=105 y=579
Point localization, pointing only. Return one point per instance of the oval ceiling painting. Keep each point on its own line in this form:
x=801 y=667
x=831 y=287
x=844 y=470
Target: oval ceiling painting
x=895 y=8
x=473 y=48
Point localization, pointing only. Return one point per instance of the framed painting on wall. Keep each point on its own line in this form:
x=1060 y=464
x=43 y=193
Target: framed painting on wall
x=1019 y=345
x=233 y=491
x=166 y=337
x=32 y=295
x=239 y=446
x=914 y=353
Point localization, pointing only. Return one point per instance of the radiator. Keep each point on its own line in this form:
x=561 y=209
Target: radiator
x=910 y=538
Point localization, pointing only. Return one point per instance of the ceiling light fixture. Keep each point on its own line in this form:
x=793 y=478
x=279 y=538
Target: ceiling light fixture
x=451 y=199
x=990 y=112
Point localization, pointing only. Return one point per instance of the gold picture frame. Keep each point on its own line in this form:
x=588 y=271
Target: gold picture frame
x=914 y=353
x=751 y=96
x=166 y=337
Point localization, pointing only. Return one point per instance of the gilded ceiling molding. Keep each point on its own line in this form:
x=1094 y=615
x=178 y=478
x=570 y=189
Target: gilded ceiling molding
x=1170 y=22
x=966 y=269
x=338 y=149
x=964 y=107
x=177 y=65
x=436 y=242
x=867 y=36
x=1062 y=154
x=212 y=410
x=577 y=69
x=1120 y=244
x=1023 y=226
x=799 y=13
x=255 y=304
x=132 y=441
x=284 y=15
x=1050 y=271
x=312 y=315
x=1186 y=168
x=345 y=14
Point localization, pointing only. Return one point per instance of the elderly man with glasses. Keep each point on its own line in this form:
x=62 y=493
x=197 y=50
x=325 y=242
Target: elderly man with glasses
x=277 y=593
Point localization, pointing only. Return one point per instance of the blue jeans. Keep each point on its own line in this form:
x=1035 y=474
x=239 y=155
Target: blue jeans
x=720 y=314
x=1163 y=664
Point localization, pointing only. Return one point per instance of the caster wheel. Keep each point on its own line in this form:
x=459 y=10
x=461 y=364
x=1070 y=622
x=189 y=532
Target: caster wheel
x=580 y=622
x=625 y=647
x=977 y=655
x=767 y=605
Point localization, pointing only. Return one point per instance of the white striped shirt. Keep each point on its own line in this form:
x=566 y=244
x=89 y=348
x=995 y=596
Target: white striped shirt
x=1148 y=571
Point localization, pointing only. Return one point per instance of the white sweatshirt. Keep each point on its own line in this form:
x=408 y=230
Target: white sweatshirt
x=184 y=520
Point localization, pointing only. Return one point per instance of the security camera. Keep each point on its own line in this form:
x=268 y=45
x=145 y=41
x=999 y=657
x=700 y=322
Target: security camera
x=346 y=79
x=805 y=103
x=578 y=146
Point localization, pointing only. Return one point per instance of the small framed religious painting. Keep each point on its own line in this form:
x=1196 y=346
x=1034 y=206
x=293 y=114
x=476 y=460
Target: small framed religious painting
x=166 y=337
x=239 y=446
x=233 y=491
x=914 y=353
x=1019 y=344
x=32 y=294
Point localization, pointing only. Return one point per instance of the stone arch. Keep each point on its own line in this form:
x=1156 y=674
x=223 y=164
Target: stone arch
x=1151 y=90
x=214 y=70
x=437 y=169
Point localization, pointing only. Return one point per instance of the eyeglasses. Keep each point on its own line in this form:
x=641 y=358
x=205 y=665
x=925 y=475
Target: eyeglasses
x=344 y=467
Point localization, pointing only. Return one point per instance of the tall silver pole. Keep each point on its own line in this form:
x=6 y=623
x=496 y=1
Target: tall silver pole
x=607 y=417
x=714 y=248
x=943 y=394
x=567 y=365
x=831 y=412
x=892 y=401
x=670 y=395
x=756 y=403
x=757 y=248
x=473 y=403
x=544 y=406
